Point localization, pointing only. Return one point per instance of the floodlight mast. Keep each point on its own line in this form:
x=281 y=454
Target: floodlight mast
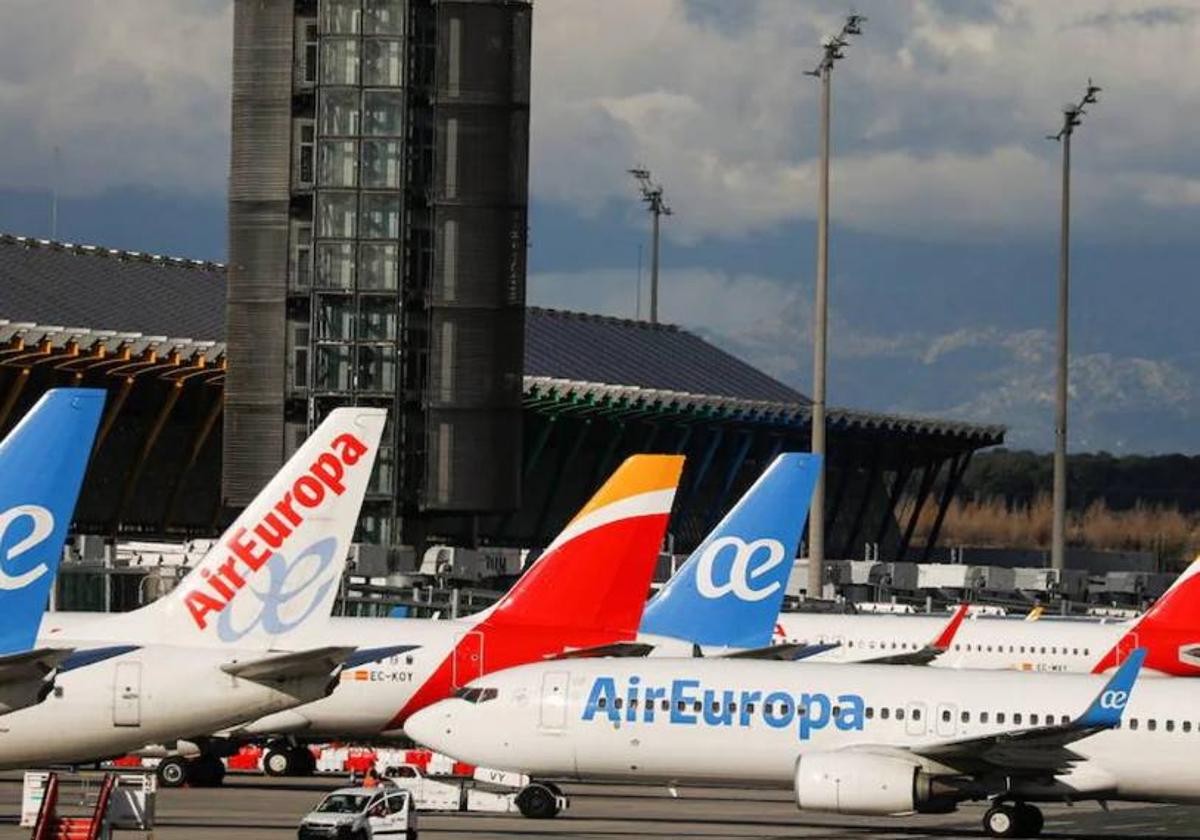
x=834 y=49
x=1072 y=119
x=656 y=202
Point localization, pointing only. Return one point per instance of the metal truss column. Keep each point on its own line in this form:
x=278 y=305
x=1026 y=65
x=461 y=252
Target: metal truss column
x=929 y=472
x=903 y=471
x=202 y=435
x=135 y=471
x=735 y=466
x=863 y=504
x=604 y=465
x=14 y=392
x=556 y=482
x=958 y=466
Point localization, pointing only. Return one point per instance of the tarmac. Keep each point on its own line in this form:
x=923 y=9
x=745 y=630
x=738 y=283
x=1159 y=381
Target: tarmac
x=258 y=808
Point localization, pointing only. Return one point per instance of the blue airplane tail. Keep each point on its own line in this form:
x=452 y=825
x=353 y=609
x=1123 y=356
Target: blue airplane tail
x=42 y=461
x=729 y=591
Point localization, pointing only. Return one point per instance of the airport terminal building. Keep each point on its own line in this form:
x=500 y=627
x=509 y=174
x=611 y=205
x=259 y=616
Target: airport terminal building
x=377 y=256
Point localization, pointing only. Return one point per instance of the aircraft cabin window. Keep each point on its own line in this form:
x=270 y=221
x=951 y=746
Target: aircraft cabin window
x=965 y=717
x=870 y=712
x=1043 y=648
x=983 y=717
x=1087 y=651
x=837 y=710
x=602 y=703
x=682 y=706
x=851 y=643
x=618 y=702
x=946 y=715
x=1033 y=719
x=1152 y=724
x=1170 y=726
x=666 y=705
x=633 y=704
x=1016 y=718
x=1066 y=719
x=1133 y=724
x=749 y=708
x=732 y=708
x=1187 y=726
x=899 y=714
x=989 y=648
x=768 y=709
x=1022 y=648
x=884 y=713
x=716 y=707
x=999 y=717
x=956 y=645
x=408 y=660
x=696 y=707
x=1074 y=651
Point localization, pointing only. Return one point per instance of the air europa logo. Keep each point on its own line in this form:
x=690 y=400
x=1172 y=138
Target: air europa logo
x=41 y=525
x=686 y=703
x=249 y=552
x=741 y=575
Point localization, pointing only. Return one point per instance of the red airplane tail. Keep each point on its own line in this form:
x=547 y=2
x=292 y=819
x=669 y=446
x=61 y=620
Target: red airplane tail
x=588 y=589
x=1169 y=631
x=597 y=572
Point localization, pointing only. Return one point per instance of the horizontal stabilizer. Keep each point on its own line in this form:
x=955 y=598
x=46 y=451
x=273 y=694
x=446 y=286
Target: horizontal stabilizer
x=90 y=656
x=278 y=667
x=629 y=650
x=365 y=656
x=34 y=664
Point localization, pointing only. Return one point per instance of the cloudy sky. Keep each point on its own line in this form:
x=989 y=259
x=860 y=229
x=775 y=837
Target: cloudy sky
x=945 y=192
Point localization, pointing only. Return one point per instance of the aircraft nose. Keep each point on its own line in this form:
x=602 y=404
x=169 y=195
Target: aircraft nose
x=432 y=727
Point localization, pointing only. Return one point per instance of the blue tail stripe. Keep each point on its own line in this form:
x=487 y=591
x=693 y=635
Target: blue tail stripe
x=1109 y=705
x=729 y=591
x=42 y=462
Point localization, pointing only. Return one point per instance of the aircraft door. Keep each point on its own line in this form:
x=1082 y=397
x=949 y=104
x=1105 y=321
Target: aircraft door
x=468 y=658
x=553 y=715
x=915 y=723
x=947 y=719
x=127 y=694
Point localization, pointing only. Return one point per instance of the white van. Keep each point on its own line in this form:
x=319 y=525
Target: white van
x=360 y=813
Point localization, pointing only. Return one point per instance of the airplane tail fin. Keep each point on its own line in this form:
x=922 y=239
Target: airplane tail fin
x=729 y=591
x=1169 y=630
x=42 y=462
x=596 y=574
x=275 y=571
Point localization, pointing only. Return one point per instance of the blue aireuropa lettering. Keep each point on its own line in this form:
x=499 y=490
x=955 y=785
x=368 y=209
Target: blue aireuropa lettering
x=807 y=712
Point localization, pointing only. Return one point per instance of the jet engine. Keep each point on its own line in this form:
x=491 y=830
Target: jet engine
x=867 y=783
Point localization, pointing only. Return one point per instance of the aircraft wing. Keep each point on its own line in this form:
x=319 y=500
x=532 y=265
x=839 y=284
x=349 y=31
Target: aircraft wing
x=1045 y=748
x=277 y=667
x=931 y=651
x=618 y=649
x=787 y=652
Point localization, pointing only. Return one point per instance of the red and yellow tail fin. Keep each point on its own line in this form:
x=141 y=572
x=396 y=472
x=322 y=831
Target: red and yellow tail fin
x=597 y=572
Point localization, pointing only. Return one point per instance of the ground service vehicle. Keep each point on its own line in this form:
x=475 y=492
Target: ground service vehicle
x=362 y=813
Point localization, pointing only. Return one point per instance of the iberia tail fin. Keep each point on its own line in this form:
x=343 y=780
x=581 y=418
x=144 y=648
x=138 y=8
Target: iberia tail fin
x=274 y=573
x=596 y=574
x=1169 y=631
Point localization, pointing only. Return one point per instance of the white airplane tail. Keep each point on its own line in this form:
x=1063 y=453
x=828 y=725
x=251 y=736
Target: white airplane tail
x=275 y=572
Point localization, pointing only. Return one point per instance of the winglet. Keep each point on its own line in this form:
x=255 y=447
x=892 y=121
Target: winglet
x=1106 y=710
x=942 y=643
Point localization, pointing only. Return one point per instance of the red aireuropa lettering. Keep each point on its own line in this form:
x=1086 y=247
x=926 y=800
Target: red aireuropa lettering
x=309 y=490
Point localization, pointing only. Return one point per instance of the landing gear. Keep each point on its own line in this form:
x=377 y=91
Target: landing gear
x=177 y=771
x=1019 y=819
x=540 y=801
x=284 y=760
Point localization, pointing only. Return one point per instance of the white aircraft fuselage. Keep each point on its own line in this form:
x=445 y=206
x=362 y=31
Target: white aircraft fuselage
x=710 y=721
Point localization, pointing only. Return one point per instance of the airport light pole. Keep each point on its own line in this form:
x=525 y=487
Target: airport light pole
x=834 y=48
x=1072 y=119
x=652 y=194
